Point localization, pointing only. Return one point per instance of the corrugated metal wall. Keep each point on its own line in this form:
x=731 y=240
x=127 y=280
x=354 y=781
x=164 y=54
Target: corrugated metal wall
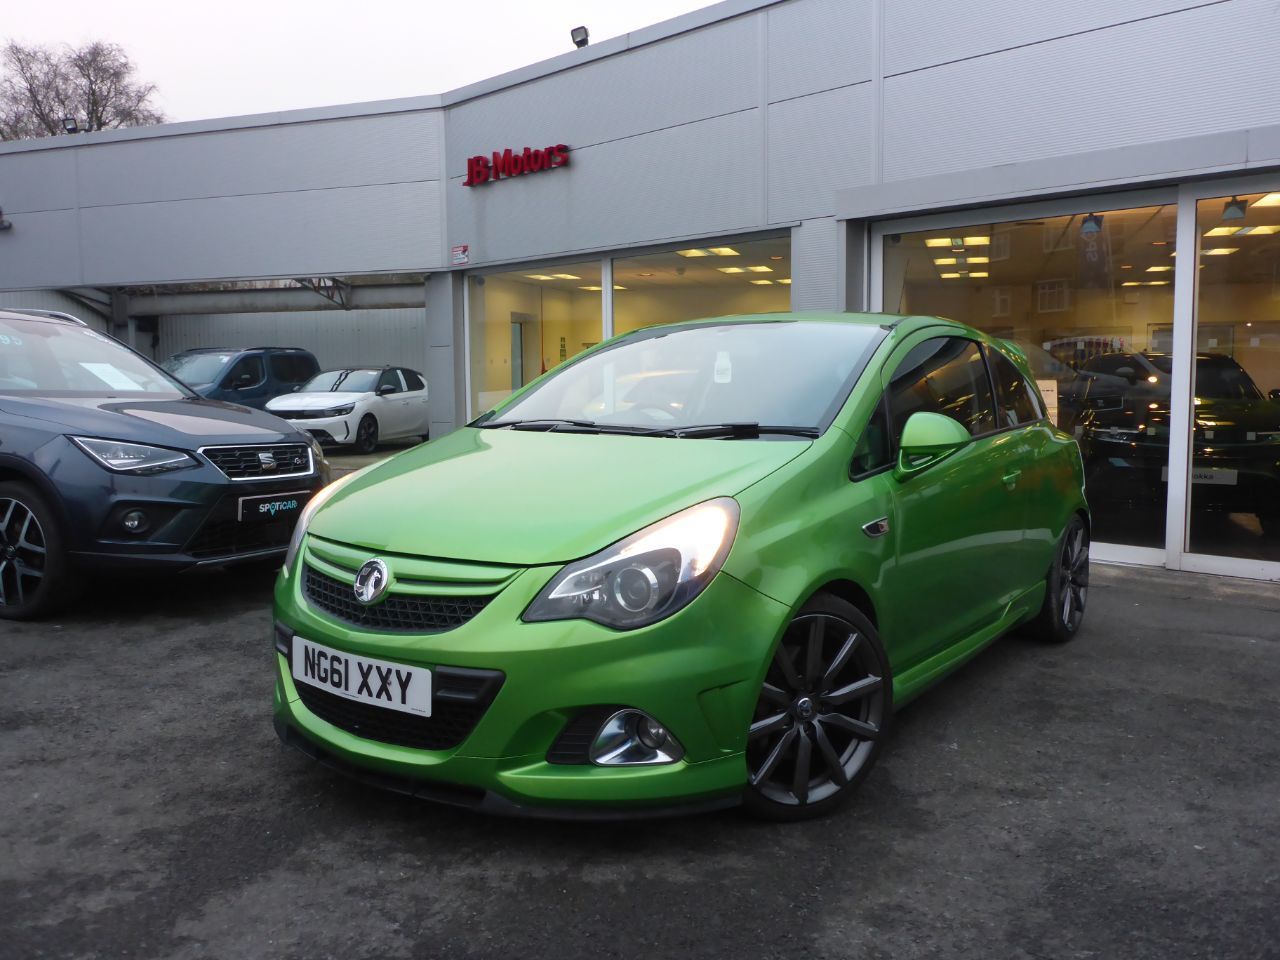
x=336 y=337
x=51 y=300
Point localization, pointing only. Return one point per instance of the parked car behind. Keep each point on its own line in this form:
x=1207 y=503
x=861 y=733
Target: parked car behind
x=107 y=462
x=249 y=376
x=358 y=406
x=697 y=565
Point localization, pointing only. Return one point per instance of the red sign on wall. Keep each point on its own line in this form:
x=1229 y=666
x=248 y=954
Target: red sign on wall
x=514 y=163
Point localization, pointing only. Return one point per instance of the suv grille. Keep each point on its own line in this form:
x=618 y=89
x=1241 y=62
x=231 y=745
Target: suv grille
x=223 y=535
x=398 y=612
x=265 y=462
x=460 y=698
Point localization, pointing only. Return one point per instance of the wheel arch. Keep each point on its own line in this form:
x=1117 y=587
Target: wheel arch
x=850 y=592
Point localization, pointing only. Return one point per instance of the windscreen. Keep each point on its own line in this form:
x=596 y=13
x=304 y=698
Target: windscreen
x=199 y=367
x=786 y=373
x=343 y=381
x=52 y=358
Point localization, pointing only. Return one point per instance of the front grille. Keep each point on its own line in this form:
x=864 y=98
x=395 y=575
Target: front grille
x=399 y=612
x=264 y=462
x=303 y=414
x=223 y=535
x=459 y=699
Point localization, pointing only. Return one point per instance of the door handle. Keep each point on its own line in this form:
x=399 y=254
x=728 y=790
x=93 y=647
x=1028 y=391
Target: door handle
x=1011 y=478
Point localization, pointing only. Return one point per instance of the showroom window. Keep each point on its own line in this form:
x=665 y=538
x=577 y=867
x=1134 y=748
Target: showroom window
x=1235 y=468
x=702 y=281
x=1079 y=293
x=524 y=322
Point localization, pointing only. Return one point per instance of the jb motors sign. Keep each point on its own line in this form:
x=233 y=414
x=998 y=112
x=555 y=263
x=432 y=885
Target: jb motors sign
x=514 y=163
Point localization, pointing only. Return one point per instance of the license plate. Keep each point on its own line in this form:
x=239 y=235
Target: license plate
x=381 y=683
x=275 y=506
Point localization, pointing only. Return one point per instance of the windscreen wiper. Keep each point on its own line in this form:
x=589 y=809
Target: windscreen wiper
x=735 y=431
x=543 y=425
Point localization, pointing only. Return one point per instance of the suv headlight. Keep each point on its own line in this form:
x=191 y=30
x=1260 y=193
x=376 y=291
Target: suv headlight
x=338 y=411
x=317 y=501
x=646 y=577
x=122 y=457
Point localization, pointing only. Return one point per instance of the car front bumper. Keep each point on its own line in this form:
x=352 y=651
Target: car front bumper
x=329 y=430
x=698 y=673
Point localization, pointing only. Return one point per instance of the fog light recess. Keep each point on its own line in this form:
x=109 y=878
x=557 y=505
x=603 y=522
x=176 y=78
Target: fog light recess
x=633 y=738
x=135 y=521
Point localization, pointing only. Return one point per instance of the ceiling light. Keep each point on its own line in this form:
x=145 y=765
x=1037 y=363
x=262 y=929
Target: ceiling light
x=1157 y=283
x=1235 y=209
x=950 y=276
x=1219 y=251
x=761 y=269
x=1221 y=231
x=944 y=261
x=977 y=241
x=1132 y=283
x=644 y=274
x=761 y=283
x=695 y=253
x=591 y=288
x=1159 y=268
x=723 y=251
x=776 y=257
x=538 y=276
x=565 y=276
x=785 y=280
x=979 y=273
x=732 y=269
x=1126 y=266
x=618 y=287
x=1270 y=200
x=1159 y=243
x=1262 y=229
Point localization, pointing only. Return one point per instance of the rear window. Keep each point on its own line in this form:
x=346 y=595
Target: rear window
x=44 y=357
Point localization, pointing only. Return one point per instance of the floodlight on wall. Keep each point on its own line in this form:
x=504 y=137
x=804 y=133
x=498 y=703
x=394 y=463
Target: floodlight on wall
x=5 y=224
x=69 y=125
x=1091 y=226
x=1235 y=209
x=579 y=36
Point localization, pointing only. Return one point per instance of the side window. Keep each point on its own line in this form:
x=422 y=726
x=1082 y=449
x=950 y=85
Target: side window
x=412 y=379
x=944 y=375
x=1017 y=397
x=874 y=449
x=248 y=369
x=391 y=379
x=291 y=368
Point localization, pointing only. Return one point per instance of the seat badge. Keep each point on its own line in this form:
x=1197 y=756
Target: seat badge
x=371 y=582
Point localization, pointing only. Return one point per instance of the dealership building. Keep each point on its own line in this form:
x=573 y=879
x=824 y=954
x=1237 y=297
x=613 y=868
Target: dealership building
x=1097 y=181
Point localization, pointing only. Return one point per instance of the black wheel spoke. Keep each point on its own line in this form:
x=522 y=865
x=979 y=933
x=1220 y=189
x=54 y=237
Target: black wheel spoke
x=800 y=779
x=783 y=659
x=813 y=658
x=774 y=695
x=841 y=660
x=830 y=756
x=775 y=756
x=859 y=728
x=768 y=725
x=853 y=691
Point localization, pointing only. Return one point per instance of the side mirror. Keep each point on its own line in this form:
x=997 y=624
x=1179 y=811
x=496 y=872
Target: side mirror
x=1274 y=394
x=1128 y=373
x=927 y=439
x=295 y=388
x=242 y=381
x=385 y=389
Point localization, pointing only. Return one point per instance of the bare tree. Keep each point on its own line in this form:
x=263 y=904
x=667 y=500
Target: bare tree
x=93 y=84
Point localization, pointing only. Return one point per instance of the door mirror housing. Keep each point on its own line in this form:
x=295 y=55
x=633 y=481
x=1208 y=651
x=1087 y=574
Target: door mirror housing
x=1128 y=373
x=927 y=439
x=242 y=381
x=385 y=389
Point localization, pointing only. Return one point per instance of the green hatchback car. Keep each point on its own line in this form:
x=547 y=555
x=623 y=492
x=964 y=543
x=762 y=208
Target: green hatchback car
x=696 y=566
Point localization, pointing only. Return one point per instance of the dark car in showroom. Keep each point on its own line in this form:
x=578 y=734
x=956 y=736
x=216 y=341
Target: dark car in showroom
x=1125 y=434
x=109 y=463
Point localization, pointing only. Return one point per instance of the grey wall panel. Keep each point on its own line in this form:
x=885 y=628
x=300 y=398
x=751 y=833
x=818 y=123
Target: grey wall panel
x=1085 y=93
x=52 y=300
x=819 y=144
x=815 y=249
x=355 y=229
x=38 y=180
x=923 y=33
x=698 y=178
x=336 y=337
x=42 y=250
x=819 y=45
x=701 y=74
x=303 y=156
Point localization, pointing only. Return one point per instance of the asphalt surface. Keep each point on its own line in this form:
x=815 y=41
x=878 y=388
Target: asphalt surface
x=1116 y=798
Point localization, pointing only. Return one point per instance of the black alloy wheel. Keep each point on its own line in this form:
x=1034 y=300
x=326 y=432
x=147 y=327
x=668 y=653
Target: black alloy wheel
x=822 y=716
x=1066 y=587
x=367 y=434
x=31 y=560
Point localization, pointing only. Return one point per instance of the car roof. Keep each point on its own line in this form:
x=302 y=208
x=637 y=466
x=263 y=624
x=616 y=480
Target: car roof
x=883 y=320
x=38 y=315
x=240 y=350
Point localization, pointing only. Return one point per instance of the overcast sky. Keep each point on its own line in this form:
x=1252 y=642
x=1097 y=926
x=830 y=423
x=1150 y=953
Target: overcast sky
x=231 y=57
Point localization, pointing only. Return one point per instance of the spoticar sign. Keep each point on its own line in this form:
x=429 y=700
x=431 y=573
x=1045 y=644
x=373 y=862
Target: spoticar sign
x=514 y=163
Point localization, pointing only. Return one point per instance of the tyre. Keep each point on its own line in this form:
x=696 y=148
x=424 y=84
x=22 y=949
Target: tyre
x=823 y=715
x=1066 y=587
x=367 y=434
x=33 y=559
x=1269 y=520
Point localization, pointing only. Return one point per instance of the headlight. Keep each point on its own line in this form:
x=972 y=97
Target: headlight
x=646 y=577
x=338 y=411
x=315 y=503
x=125 y=457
